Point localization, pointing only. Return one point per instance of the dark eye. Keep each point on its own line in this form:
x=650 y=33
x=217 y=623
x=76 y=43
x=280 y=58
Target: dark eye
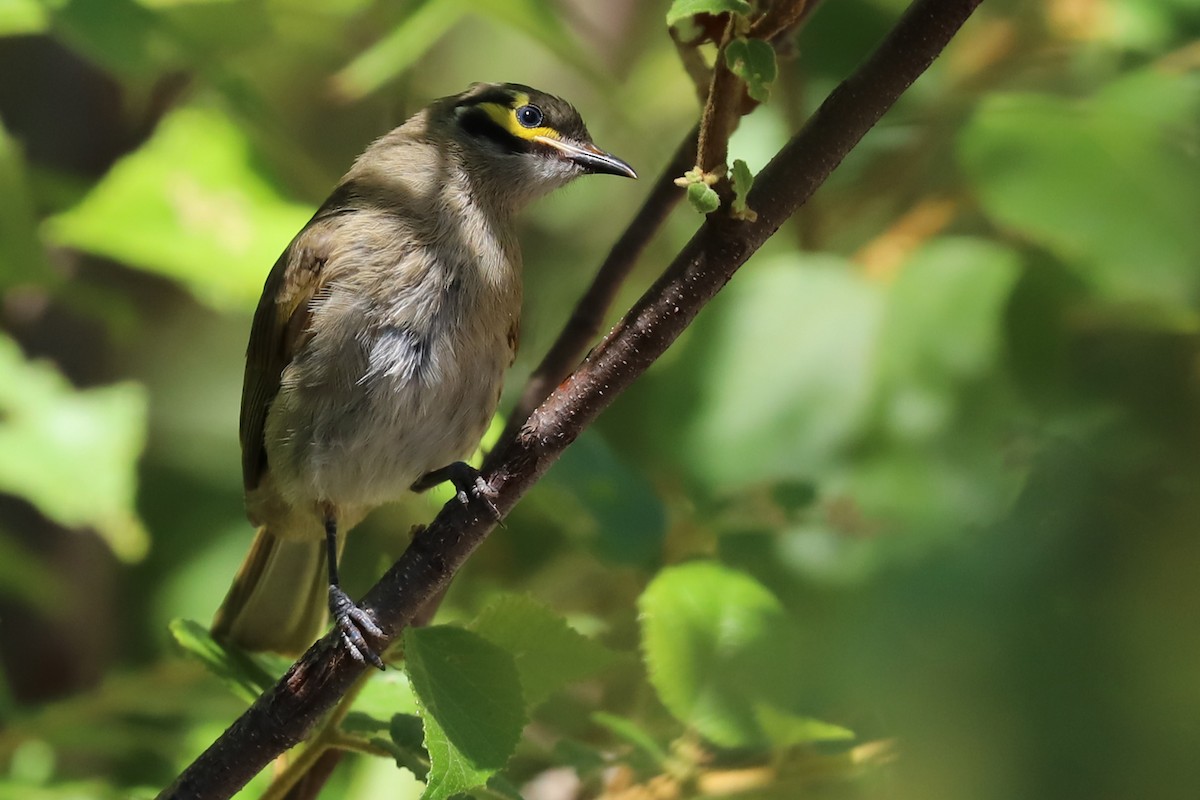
x=529 y=116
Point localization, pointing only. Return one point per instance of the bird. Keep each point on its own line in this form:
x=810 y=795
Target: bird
x=378 y=348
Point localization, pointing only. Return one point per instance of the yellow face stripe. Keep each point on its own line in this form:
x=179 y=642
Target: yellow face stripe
x=506 y=118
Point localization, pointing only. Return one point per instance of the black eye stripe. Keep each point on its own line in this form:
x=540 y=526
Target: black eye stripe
x=530 y=116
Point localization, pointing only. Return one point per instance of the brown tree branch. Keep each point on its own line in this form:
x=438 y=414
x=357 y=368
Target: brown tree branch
x=284 y=715
x=583 y=326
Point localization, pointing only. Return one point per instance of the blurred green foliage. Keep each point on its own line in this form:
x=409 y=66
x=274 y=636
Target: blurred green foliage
x=910 y=511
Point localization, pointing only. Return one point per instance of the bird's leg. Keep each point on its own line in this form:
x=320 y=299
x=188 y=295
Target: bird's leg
x=466 y=480
x=351 y=621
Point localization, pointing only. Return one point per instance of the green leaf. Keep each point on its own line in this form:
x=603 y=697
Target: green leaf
x=403 y=46
x=715 y=643
x=21 y=17
x=236 y=668
x=72 y=453
x=188 y=205
x=684 y=9
x=703 y=198
x=827 y=320
x=952 y=284
x=631 y=733
x=1107 y=182
x=547 y=652
x=610 y=504
x=753 y=60
x=21 y=250
x=788 y=730
x=408 y=744
x=121 y=35
x=743 y=181
x=471 y=703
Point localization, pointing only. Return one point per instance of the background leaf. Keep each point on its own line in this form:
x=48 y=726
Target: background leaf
x=548 y=654
x=191 y=206
x=470 y=698
x=1106 y=182
x=713 y=639
x=683 y=9
x=237 y=670
x=73 y=454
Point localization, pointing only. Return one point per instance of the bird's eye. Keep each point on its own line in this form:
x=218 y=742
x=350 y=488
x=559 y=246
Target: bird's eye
x=529 y=116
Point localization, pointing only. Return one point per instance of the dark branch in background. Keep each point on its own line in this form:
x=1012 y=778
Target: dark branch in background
x=285 y=714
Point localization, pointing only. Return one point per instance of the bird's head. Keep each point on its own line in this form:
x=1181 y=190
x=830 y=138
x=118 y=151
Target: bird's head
x=531 y=141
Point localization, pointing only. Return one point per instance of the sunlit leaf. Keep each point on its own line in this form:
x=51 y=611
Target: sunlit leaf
x=788 y=730
x=714 y=640
x=71 y=453
x=188 y=205
x=547 y=652
x=19 y=17
x=471 y=703
x=237 y=669
x=682 y=9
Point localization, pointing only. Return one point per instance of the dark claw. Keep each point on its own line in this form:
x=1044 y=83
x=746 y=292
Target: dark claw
x=467 y=481
x=352 y=622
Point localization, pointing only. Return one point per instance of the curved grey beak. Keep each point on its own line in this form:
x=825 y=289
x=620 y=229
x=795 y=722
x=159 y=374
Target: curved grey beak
x=590 y=157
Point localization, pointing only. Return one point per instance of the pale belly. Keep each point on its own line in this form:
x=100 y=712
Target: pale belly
x=359 y=434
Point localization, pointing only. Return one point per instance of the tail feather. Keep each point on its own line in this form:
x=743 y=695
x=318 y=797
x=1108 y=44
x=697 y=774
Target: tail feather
x=279 y=598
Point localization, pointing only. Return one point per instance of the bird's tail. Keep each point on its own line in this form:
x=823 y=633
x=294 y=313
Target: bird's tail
x=279 y=598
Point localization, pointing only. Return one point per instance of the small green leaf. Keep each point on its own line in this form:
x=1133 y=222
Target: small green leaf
x=631 y=733
x=72 y=453
x=236 y=668
x=715 y=642
x=471 y=704
x=547 y=652
x=753 y=60
x=408 y=744
x=703 y=198
x=685 y=9
x=743 y=180
x=189 y=204
x=788 y=730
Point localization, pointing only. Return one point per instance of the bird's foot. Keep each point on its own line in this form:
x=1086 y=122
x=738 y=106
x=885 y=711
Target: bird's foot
x=467 y=482
x=352 y=622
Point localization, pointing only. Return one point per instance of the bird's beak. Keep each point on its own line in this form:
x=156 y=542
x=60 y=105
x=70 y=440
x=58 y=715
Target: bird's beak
x=588 y=156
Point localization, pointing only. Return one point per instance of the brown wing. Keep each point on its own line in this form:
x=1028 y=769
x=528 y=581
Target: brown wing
x=280 y=328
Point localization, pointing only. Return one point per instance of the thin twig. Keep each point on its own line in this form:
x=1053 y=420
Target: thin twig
x=286 y=713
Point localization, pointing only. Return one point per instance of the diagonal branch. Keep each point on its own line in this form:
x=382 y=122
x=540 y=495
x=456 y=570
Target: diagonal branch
x=284 y=715
x=589 y=312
